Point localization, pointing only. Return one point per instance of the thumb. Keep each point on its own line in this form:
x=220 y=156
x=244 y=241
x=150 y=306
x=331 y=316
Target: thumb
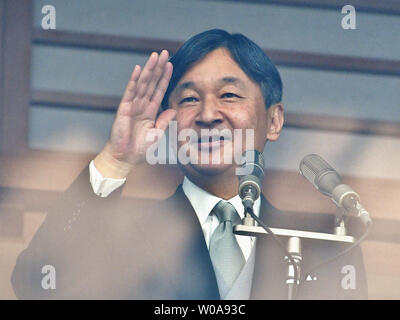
x=164 y=118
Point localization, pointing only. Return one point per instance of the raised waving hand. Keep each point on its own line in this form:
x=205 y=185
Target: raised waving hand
x=136 y=117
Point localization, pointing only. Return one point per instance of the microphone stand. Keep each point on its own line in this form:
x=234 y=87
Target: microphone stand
x=293 y=237
x=294 y=248
x=250 y=183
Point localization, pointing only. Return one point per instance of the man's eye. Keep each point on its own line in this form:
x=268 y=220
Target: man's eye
x=229 y=95
x=188 y=99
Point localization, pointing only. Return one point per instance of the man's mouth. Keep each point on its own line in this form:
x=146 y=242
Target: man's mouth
x=211 y=142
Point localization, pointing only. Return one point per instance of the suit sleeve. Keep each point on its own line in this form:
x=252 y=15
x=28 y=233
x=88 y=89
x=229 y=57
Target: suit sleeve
x=341 y=279
x=55 y=245
x=352 y=282
x=353 y=277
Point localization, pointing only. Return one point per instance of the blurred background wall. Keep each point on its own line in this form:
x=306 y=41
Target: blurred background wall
x=60 y=88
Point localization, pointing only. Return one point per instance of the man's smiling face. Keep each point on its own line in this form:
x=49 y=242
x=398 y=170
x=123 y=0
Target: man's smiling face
x=215 y=93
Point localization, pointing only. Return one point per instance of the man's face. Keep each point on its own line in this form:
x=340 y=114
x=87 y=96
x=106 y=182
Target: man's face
x=215 y=94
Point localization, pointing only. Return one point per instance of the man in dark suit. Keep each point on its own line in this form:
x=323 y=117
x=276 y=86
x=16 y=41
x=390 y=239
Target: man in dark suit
x=100 y=245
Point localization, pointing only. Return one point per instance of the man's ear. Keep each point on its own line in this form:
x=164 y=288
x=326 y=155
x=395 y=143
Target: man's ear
x=275 y=121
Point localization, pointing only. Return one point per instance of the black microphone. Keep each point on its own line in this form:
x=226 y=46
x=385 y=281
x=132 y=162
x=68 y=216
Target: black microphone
x=251 y=175
x=328 y=182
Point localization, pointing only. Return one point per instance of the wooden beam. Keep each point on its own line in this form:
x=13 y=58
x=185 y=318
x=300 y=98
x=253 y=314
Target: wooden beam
x=279 y=57
x=342 y=124
x=55 y=171
x=27 y=199
x=75 y=100
x=382 y=262
x=2 y=47
x=15 y=201
x=103 y=41
x=292 y=119
x=15 y=30
x=372 y=6
x=11 y=220
x=335 y=62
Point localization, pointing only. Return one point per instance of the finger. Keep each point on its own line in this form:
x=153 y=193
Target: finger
x=147 y=74
x=132 y=85
x=157 y=73
x=152 y=106
x=164 y=118
x=162 y=85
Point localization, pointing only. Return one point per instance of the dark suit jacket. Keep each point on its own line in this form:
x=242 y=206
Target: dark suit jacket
x=119 y=248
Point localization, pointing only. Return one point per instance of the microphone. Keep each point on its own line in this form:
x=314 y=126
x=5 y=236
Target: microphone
x=251 y=175
x=323 y=177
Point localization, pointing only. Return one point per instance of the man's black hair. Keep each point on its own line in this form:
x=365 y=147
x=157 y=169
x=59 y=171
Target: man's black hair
x=247 y=54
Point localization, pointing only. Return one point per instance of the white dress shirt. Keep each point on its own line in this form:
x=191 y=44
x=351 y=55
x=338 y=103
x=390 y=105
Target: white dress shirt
x=203 y=202
x=103 y=186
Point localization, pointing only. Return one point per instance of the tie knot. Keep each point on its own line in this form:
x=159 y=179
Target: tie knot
x=225 y=211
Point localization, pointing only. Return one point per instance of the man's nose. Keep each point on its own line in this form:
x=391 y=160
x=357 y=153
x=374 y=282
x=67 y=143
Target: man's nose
x=209 y=114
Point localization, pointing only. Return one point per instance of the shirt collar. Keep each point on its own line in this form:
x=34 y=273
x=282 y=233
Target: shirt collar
x=203 y=202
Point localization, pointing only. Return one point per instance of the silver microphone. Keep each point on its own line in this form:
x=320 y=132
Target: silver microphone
x=251 y=176
x=328 y=182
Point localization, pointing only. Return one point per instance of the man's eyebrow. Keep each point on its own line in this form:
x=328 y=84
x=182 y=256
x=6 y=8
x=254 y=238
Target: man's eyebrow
x=185 y=85
x=236 y=81
x=225 y=80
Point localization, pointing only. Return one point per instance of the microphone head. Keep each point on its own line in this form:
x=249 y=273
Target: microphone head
x=251 y=174
x=319 y=173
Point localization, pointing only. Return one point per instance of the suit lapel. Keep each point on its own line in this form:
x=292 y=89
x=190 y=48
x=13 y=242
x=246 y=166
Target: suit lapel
x=195 y=274
x=197 y=278
x=270 y=266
